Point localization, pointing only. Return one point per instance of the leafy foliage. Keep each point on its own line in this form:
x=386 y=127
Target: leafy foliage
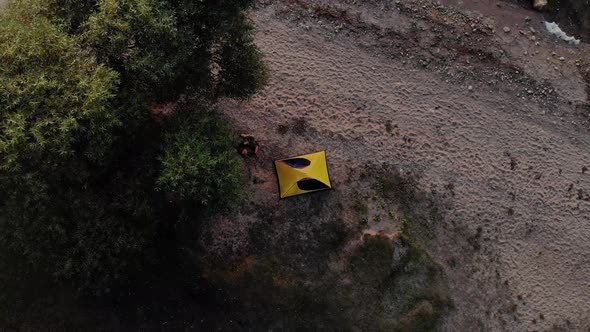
x=138 y=38
x=202 y=168
x=242 y=70
x=89 y=181
x=55 y=100
x=58 y=127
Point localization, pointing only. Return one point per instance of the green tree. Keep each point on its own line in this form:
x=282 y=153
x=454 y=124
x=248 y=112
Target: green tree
x=88 y=179
x=242 y=71
x=57 y=131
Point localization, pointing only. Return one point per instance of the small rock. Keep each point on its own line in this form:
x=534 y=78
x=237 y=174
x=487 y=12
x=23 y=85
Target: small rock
x=470 y=88
x=561 y=58
x=527 y=19
x=539 y=4
x=532 y=29
x=533 y=38
x=530 y=92
x=506 y=29
x=537 y=43
x=553 y=54
x=526 y=53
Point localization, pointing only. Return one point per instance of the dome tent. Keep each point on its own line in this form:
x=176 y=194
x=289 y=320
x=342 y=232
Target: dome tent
x=302 y=174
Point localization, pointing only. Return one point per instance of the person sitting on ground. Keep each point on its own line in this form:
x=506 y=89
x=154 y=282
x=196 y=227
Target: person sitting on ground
x=249 y=145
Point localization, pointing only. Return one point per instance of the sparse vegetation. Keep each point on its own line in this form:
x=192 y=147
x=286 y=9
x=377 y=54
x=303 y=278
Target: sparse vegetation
x=299 y=126
x=390 y=285
x=423 y=208
x=282 y=129
x=358 y=204
x=403 y=279
x=388 y=127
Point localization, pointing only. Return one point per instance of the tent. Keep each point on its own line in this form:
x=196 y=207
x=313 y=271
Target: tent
x=302 y=174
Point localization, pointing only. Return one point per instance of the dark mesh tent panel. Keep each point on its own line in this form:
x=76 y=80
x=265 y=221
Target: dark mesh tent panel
x=297 y=162
x=311 y=184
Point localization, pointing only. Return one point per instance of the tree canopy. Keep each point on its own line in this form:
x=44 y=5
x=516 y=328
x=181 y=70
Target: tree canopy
x=88 y=177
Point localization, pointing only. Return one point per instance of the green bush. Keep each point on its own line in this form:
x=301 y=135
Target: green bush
x=199 y=163
x=86 y=173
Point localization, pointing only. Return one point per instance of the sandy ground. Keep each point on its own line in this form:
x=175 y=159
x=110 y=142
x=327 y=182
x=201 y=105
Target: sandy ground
x=515 y=163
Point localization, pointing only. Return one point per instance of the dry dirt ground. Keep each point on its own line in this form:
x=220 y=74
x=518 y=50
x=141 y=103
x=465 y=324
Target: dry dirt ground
x=494 y=121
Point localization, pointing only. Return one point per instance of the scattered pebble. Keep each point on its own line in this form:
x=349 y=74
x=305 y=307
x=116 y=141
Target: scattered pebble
x=470 y=88
x=506 y=29
x=539 y=4
x=561 y=58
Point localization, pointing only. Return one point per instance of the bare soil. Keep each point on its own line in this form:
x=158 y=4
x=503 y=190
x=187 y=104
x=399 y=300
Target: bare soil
x=495 y=125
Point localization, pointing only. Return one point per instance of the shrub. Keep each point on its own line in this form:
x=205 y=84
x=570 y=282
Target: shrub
x=242 y=70
x=371 y=262
x=199 y=162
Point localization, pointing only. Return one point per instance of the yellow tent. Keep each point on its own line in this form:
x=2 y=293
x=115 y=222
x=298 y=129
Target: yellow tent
x=303 y=174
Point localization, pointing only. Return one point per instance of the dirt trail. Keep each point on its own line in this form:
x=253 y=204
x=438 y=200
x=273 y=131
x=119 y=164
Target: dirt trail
x=515 y=166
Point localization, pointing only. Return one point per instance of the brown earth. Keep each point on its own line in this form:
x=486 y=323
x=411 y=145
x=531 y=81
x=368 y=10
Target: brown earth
x=495 y=122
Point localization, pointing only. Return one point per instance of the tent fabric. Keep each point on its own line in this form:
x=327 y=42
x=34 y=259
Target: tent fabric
x=302 y=174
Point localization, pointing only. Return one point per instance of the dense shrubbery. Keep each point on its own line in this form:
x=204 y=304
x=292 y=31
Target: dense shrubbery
x=199 y=162
x=87 y=176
